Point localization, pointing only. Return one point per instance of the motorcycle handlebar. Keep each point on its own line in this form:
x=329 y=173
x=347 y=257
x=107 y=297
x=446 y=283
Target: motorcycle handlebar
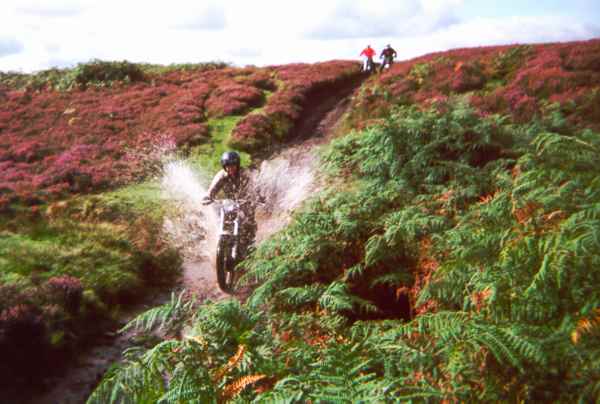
x=240 y=201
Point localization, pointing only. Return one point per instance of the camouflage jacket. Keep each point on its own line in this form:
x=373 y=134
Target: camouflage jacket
x=238 y=187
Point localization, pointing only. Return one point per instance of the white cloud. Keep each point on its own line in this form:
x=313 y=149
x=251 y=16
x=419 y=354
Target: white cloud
x=10 y=46
x=63 y=8
x=211 y=17
x=378 y=18
x=257 y=32
x=500 y=31
x=245 y=52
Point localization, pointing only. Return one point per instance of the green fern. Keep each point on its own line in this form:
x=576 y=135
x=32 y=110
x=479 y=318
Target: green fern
x=167 y=318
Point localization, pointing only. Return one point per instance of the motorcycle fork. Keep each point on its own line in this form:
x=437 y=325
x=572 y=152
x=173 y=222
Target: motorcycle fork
x=231 y=237
x=236 y=228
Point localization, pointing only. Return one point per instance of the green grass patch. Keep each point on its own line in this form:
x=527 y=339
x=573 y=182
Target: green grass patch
x=208 y=155
x=107 y=240
x=100 y=255
x=137 y=199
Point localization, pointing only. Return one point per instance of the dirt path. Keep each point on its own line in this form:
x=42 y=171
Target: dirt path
x=286 y=178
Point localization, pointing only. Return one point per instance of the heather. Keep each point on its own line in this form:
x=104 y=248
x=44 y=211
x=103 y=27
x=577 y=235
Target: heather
x=91 y=138
x=283 y=110
x=522 y=81
x=80 y=152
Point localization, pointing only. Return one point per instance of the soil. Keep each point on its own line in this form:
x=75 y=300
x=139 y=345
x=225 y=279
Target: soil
x=297 y=160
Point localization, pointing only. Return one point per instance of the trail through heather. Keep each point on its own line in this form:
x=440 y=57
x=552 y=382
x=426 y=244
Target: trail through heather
x=286 y=178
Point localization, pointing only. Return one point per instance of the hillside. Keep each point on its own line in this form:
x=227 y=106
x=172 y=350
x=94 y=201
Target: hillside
x=452 y=257
x=81 y=151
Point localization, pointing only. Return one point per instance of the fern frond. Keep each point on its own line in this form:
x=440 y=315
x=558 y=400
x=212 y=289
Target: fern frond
x=237 y=386
x=233 y=361
x=300 y=296
x=393 y=279
x=167 y=317
x=586 y=326
x=420 y=394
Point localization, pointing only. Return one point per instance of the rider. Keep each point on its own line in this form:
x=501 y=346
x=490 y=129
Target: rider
x=368 y=53
x=388 y=55
x=235 y=183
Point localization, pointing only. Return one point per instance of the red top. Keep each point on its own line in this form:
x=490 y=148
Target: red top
x=368 y=52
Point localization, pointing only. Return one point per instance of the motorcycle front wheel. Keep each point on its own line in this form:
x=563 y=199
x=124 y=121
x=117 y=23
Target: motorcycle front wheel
x=225 y=265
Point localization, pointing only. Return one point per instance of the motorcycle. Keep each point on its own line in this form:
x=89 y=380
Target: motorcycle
x=387 y=61
x=229 y=246
x=369 y=66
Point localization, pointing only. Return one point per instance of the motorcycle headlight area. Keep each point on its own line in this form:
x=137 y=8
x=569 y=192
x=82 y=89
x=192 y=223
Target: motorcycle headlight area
x=229 y=207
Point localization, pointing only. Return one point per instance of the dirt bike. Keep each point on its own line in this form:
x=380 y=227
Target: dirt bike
x=369 y=66
x=387 y=61
x=229 y=246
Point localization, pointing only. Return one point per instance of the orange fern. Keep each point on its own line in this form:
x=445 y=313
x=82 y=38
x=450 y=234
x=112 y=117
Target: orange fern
x=234 y=388
x=586 y=326
x=233 y=361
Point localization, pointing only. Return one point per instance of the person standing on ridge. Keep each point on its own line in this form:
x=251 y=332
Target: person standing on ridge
x=388 y=55
x=368 y=53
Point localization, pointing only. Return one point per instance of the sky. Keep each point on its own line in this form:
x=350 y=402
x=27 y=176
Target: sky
x=40 y=34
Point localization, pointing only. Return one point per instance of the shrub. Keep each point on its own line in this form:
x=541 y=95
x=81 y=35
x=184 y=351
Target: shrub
x=469 y=77
x=252 y=133
x=232 y=99
x=9 y=295
x=67 y=291
x=102 y=72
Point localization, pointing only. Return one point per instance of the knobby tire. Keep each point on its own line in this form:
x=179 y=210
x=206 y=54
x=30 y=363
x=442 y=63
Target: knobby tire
x=225 y=266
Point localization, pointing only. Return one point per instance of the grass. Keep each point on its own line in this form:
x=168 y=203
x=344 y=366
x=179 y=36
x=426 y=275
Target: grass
x=91 y=253
x=208 y=155
x=137 y=199
x=107 y=240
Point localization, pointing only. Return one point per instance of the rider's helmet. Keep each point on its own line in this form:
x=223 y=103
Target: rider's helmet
x=388 y=46
x=230 y=158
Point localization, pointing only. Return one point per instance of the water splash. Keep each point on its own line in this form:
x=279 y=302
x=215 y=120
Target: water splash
x=182 y=184
x=285 y=181
x=189 y=226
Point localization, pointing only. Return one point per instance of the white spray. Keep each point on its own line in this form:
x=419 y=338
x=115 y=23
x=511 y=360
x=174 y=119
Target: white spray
x=285 y=181
x=190 y=226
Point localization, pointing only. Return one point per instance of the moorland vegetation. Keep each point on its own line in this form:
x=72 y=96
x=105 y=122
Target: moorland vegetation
x=81 y=152
x=453 y=256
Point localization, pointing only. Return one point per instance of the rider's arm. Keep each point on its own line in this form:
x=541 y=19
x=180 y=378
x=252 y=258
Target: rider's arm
x=216 y=184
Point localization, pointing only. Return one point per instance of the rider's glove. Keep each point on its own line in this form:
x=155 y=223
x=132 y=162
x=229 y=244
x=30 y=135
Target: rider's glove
x=206 y=200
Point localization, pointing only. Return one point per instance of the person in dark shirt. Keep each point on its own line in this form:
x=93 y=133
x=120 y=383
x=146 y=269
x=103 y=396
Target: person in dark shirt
x=388 y=55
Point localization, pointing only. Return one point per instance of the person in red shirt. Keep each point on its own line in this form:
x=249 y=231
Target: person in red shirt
x=368 y=53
